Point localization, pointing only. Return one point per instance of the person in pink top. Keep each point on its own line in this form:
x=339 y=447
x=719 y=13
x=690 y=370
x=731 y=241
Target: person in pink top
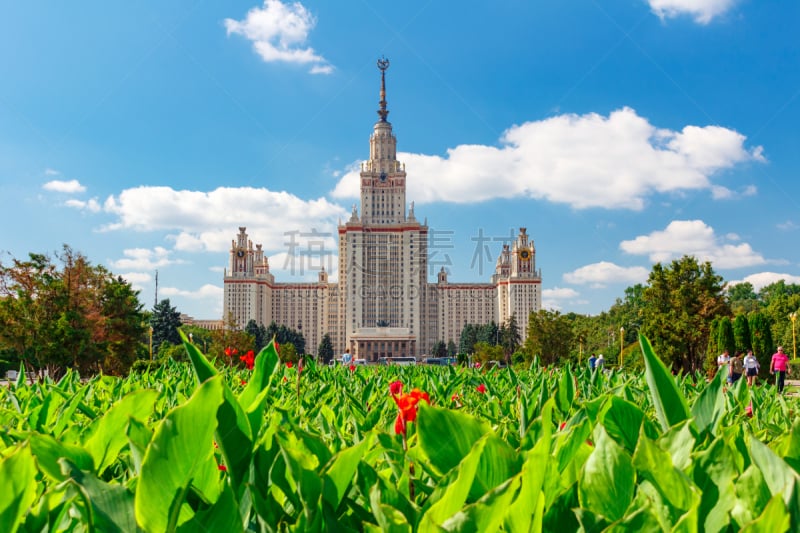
x=779 y=365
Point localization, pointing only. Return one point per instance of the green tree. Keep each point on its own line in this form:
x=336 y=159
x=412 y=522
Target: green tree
x=469 y=338
x=452 y=350
x=741 y=333
x=439 y=349
x=509 y=336
x=165 y=321
x=549 y=336
x=742 y=298
x=680 y=301
x=259 y=333
x=726 y=340
x=325 y=350
x=761 y=340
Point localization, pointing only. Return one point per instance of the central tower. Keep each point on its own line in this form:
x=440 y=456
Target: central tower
x=383 y=177
x=383 y=253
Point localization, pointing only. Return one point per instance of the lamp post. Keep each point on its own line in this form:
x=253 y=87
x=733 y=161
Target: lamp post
x=580 y=349
x=191 y=338
x=151 y=343
x=621 y=344
x=793 y=316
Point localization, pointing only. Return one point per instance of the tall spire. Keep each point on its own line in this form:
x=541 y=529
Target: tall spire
x=383 y=64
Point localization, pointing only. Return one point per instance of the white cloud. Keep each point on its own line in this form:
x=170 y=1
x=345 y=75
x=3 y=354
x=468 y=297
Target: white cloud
x=788 y=225
x=207 y=291
x=144 y=259
x=692 y=237
x=136 y=279
x=207 y=221
x=91 y=205
x=279 y=32
x=598 y=275
x=762 y=279
x=575 y=160
x=51 y=172
x=703 y=11
x=71 y=186
x=560 y=293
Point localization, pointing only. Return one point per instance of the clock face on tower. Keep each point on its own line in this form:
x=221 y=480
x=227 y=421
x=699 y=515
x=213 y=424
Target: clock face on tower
x=525 y=254
x=240 y=253
x=383 y=176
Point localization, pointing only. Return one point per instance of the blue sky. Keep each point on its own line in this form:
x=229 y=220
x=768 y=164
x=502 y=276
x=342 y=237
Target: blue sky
x=619 y=133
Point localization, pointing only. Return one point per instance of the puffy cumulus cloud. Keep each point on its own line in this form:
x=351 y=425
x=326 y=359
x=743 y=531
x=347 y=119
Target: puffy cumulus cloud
x=207 y=221
x=65 y=186
x=279 y=32
x=207 y=291
x=693 y=237
x=554 y=299
x=703 y=11
x=144 y=259
x=598 y=275
x=137 y=279
x=584 y=161
x=762 y=279
x=92 y=205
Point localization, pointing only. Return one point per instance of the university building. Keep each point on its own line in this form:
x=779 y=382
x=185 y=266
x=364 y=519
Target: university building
x=383 y=304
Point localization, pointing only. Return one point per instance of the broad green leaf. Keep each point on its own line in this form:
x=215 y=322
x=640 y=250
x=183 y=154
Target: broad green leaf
x=111 y=504
x=709 y=407
x=223 y=515
x=714 y=474
x=774 y=518
x=17 y=487
x=267 y=363
x=777 y=474
x=203 y=369
x=487 y=513
x=107 y=434
x=669 y=403
x=608 y=481
x=752 y=496
x=234 y=437
x=622 y=421
x=655 y=465
x=446 y=436
x=521 y=515
x=139 y=437
x=48 y=451
x=455 y=491
x=179 y=458
x=342 y=468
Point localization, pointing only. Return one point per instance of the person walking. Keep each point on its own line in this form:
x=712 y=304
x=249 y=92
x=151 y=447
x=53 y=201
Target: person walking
x=737 y=367
x=346 y=357
x=592 y=361
x=780 y=365
x=751 y=368
x=723 y=360
x=600 y=362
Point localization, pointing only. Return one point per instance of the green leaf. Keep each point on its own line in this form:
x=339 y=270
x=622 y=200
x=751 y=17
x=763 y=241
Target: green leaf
x=654 y=464
x=752 y=495
x=670 y=405
x=107 y=434
x=266 y=364
x=342 y=468
x=608 y=481
x=622 y=421
x=139 y=436
x=111 y=504
x=487 y=513
x=455 y=489
x=18 y=482
x=223 y=515
x=778 y=475
x=180 y=457
x=714 y=474
x=447 y=436
x=203 y=369
x=774 y=518
x=709 y=407
x=48 y=451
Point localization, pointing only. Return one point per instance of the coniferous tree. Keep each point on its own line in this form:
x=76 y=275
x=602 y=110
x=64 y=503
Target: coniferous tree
x=741 y=333
x=725 y=337
x=165 y=321
x=452 y=350
x=761 y=340
x=325 y=350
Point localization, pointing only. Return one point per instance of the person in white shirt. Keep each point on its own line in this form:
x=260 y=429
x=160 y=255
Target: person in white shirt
x=346 y=357
x=723 y=360
x=751 y=367
x=600 y=362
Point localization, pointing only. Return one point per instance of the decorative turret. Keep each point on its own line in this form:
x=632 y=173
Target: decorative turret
x=383 y=64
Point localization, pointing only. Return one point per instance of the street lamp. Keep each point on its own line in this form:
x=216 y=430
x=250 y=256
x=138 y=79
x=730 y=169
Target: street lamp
x=580 y=349
x=191 y=338
x=621 y=345
x=151 y=343
x=793 y=316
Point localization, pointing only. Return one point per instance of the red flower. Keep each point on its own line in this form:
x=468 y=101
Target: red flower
x=481 y=388
x=249 y=359
x=407 y=404
x=352 y=368
x=230 y=352
x=562 y=426
x=277 y=347
x=749 y=410
x=222 y=467
x=288 y=364
x=396 y=387
x=244 y=382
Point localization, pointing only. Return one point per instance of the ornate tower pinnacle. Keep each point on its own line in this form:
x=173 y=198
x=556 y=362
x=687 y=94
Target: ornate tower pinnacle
x=383 y=64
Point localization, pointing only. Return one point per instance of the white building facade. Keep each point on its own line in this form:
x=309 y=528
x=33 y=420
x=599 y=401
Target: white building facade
x=382 y=304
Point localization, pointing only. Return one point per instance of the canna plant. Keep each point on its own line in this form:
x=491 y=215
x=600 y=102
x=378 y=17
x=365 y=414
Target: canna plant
x=280 y=448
